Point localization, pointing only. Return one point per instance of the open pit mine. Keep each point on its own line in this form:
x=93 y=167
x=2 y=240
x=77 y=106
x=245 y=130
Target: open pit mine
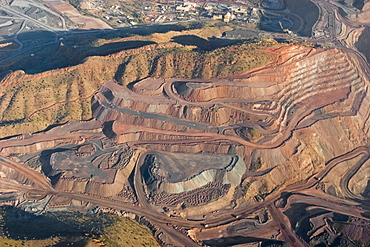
x=279 y=153
x=261 y=144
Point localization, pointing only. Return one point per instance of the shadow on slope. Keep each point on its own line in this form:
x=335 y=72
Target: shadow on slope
x=44 y=50
x=306 y=10
x=298 y=16
x=363 y=44
x=203 y=44
x=64 y=54
x=237 y=240
x=359 y=4
x=18 y=224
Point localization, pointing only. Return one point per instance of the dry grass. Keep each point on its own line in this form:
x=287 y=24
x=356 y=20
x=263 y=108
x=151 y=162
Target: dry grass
x=183 y=62
x=71 y=229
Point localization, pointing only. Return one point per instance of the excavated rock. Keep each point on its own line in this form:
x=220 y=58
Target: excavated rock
x=190 y=147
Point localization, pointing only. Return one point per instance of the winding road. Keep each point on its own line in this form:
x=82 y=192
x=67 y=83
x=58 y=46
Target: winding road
x=282 y=112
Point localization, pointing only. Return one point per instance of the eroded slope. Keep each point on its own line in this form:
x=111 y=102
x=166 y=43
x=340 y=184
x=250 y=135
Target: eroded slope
x=30 y=103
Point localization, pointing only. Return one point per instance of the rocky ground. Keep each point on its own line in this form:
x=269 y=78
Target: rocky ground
x=207 y=142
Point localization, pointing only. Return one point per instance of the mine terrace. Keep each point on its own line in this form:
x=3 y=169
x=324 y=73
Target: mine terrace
x=269 y=154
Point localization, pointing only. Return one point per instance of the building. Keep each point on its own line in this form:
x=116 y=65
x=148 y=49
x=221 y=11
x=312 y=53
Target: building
x=217 y=17
x=228 y=17
x=234 y=8
x=192 y=5
x=210 y=6
x=147 y=6
x=186 y=6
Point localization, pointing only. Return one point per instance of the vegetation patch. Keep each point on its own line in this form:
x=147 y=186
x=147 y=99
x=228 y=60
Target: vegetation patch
x=249 y=134
x=189 y=62
x=30 y=103
x=18 y=228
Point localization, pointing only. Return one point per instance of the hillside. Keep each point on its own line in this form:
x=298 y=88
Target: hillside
x=71 y=229
x=30 y=103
